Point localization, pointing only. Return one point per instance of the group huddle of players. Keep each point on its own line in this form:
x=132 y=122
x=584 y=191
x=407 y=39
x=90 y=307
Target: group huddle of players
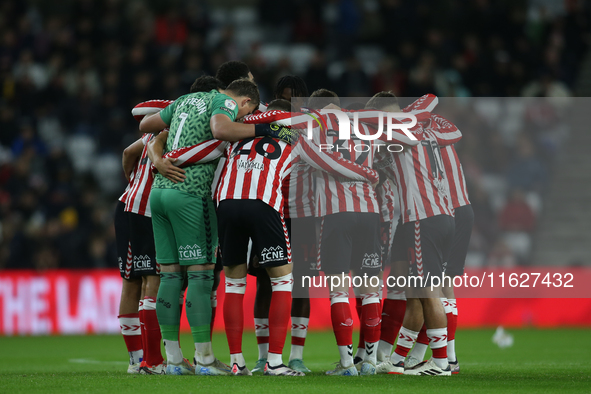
x=220 y=181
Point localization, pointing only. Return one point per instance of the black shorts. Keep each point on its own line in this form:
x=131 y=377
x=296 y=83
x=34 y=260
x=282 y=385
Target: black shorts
x=304 y=253
x=351 y=241
x=241 y=220
x=427 y=243
x=136 y=252
x=399 y=252
x=464 y=220
x=218 y=261
x=386 y=239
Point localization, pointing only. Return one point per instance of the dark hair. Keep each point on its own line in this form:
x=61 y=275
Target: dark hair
x=231 y=71
x=280 y=105
x=245 y=88
x=206 y=83
x=296 y=84
x=382 y=100
x=322 y=97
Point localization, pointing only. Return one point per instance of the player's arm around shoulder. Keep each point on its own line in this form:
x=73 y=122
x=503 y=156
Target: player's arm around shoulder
x=160 y=120
x=164 y=165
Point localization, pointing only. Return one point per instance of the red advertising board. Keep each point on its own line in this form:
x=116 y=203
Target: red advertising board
x=84 y=302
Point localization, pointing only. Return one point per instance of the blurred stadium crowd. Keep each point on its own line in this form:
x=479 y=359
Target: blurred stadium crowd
x=70 y=72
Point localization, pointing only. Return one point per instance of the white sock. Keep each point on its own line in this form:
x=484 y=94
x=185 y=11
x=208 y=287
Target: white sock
x=346 y=353
x=274 y=359
x=446 y=305
x=418 y=351
x=173 y=352
x=136 y=357
x=438 y=342
x=406 y=339
x=451 y=351
x=360 y=352
x=371 y=352
x=131 y=326
x=299 y=331
x=384 y=351
x=204 y=353
x=237 y=358
x=261 y=329
x=371 y=348
x=451 y=345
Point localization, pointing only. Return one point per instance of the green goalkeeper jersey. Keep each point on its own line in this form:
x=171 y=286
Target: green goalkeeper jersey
x=188 y=120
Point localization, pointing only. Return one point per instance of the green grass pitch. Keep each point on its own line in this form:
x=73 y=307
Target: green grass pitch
x=540 y=361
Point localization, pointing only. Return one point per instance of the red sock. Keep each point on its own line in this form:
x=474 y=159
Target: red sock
x=392 y=316
x=452 y=324
x=370 y=327
x=423 y=338
x=131 y=330
x=279 y=312
x=406 y=340
x=438 y=343
x=234 y=313
x=152 y=352
x=359 y=309
x=342 y=323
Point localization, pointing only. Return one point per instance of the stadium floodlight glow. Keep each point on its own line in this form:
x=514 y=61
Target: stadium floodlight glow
x=394 y=120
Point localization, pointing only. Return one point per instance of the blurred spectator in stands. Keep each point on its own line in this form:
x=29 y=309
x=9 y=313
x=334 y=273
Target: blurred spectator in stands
x=526 y=172
x=388 y=77
x=546 y=86
x=501 y=256
x=170 y=28
x=517 y=215
x=422 y=76
x=342 y=20
x=354 y=82
x=26 y=140
x=317 y=75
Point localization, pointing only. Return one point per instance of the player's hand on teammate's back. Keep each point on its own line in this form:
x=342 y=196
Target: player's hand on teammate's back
x=285 y=134
x=166 y=167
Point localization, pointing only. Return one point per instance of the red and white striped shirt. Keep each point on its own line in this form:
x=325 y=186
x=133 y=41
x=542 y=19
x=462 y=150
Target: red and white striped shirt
x=455 y=177
x=255 y=169
x=419 y=175
x=333 y=194
x=305 y=155
x=451 y=164
x=137 y=194
x=386 y=196
x=454 y=174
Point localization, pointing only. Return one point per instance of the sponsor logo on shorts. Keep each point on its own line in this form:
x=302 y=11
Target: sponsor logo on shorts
x=142 y=263
x=249 y=165
x=190 y=252
x=120 y=263
x=371 y=261
x=272 y=254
